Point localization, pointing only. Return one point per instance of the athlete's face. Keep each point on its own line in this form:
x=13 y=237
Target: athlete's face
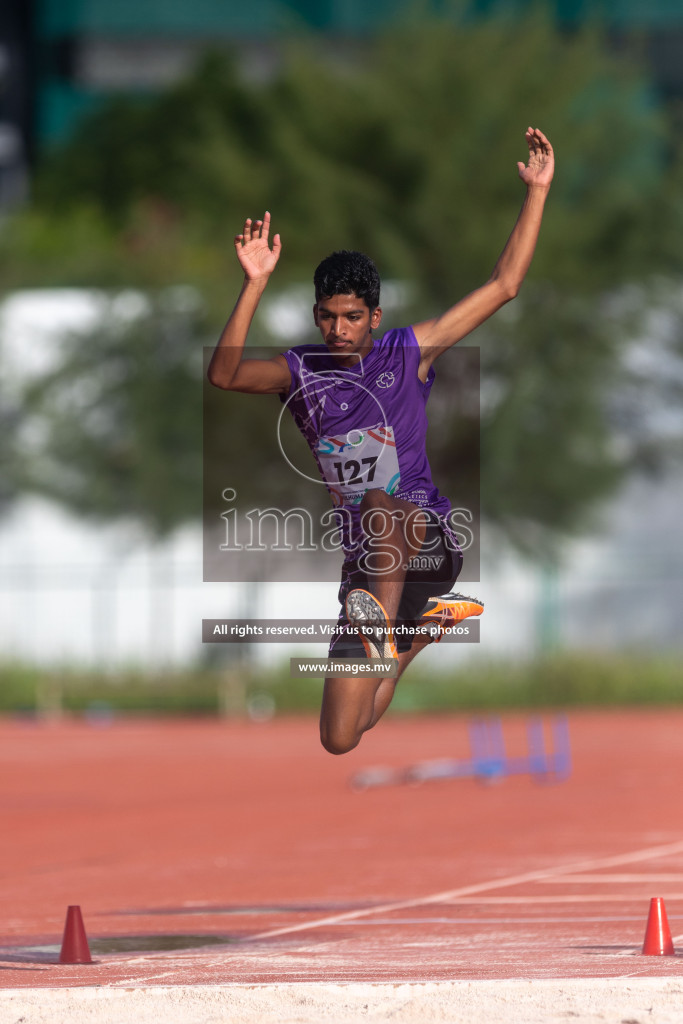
x=346 y=326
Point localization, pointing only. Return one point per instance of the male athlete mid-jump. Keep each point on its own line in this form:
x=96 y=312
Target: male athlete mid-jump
x=359 y=401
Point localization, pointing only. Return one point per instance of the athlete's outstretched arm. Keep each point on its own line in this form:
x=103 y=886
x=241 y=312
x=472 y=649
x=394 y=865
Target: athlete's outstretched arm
x=227 y=368
x=437 y=335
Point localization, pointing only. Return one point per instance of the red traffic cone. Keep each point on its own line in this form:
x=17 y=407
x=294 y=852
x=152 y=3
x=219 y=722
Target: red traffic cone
x=75 y=948
x=658 y=940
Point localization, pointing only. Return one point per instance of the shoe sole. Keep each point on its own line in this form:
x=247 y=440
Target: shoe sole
x=363 y=609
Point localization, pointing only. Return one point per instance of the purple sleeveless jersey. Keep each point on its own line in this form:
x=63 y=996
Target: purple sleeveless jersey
x=366 y=426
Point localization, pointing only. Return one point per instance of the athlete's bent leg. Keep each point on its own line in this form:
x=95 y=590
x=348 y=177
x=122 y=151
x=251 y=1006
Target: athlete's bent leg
x=352 y=706
x=347 y=711
x=394 y=531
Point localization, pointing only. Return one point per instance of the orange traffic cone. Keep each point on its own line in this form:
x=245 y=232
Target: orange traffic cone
x=658 y=940
x=75 y=948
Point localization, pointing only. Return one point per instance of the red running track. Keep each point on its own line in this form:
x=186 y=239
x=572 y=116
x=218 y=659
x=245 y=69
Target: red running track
x=208 y=852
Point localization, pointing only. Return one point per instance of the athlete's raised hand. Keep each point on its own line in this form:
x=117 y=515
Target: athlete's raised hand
x=539 y=170
x=253 y=251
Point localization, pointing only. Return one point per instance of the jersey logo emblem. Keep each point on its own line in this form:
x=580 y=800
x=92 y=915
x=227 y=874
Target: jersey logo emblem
x=385 y=380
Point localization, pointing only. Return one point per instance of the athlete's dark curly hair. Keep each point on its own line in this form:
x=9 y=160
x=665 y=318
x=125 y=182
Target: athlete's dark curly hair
x=346 y=273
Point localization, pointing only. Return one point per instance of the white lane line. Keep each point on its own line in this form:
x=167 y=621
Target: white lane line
x=573 y=898
x=617 y=878
x=648 y=853
x=456 y=922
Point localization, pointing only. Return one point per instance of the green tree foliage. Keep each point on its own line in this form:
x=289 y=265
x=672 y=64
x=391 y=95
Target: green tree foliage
x=408 y=152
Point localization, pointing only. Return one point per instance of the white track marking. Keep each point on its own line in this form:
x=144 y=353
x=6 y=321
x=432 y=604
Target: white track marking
x=593 y=879
x=382 y=922
x=573 y=898
x=648 y=853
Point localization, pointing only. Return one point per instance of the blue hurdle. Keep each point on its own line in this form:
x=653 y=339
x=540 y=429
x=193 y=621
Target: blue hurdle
x=488 y=760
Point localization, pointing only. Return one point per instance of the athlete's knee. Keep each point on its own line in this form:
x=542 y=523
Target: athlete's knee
x=338 y=741
x=333 y=747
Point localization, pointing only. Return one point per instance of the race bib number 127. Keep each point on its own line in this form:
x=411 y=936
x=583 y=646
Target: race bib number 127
x=353 y=462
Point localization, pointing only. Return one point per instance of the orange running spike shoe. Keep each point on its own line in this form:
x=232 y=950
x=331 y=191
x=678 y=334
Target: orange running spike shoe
x=367 y=614
x=447 y=611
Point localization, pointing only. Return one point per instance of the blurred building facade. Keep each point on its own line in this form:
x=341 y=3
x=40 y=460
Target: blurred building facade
x=17 y=99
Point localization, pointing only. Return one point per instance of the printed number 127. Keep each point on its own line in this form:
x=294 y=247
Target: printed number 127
x=354 y=469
